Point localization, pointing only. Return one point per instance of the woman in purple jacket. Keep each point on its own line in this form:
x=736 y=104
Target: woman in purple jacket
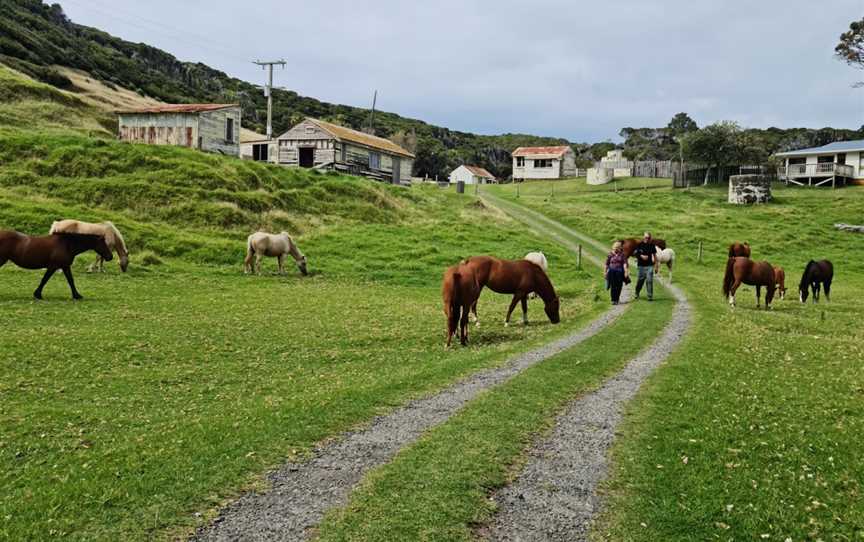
x=616 y=271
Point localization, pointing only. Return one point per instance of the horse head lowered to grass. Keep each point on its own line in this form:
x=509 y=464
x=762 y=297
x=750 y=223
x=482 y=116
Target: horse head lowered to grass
x=50 y=252
x=107 y=230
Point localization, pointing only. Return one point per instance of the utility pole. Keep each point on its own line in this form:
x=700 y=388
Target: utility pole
x=268 y=90
x=371 y=129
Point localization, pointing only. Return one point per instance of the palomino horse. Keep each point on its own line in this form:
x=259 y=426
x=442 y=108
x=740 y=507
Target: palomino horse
x=816 y=273
x=739 y=249
x=460 y=291
x=744 y=270
x=261 y=244
x=50 y=252
x=517 y=277
x=539 y=259
x=629 y=245
x=667 y=256
x=107 y=230
x=780 y=280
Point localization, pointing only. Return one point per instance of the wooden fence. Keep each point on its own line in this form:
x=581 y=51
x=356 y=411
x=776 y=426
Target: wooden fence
x=698 y=175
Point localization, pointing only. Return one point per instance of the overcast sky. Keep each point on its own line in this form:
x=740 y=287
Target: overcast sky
x=580 y=70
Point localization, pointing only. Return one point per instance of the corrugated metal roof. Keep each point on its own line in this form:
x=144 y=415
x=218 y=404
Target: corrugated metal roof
x=533 y=151
x=347 y=134
x=179 y=108
x=479 y=171
x=837 y=146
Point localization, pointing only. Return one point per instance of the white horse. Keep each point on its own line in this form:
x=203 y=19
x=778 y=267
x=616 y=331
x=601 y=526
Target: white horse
x=667 y=256
x=261 y=244
x=107 y=230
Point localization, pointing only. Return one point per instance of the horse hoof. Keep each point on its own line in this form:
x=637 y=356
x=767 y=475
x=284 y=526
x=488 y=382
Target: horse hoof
x=37 y=296
x=77 y=297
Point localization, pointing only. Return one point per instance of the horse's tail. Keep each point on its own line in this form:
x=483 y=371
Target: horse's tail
x=729 y=277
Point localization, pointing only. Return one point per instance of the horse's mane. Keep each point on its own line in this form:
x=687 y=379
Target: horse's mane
x=118 y=237
x=803 y=284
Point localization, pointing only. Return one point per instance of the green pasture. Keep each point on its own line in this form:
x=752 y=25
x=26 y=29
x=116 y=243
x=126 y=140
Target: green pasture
x=751 y=430
x=136 y=412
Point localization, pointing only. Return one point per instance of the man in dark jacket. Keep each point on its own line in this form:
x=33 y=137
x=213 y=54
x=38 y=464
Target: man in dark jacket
x=645 y=254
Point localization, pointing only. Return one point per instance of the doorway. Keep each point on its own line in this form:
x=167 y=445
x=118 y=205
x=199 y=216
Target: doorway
x=307 y=156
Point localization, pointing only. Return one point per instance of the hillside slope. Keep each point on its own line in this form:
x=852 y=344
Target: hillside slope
x=36 y=38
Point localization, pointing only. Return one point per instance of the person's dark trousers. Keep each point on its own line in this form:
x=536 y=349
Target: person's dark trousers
x=646 y=275
x=616 y=282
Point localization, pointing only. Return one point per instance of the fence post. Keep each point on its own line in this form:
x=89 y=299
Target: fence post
x=517 y=188
x=699 y=255
x=579 y=257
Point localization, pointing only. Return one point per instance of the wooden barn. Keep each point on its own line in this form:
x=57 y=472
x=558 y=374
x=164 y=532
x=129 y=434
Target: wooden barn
x=207 y=127
x=322 y=145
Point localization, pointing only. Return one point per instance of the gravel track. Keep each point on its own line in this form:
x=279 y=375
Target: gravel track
x=555 y=496
x=301 y=493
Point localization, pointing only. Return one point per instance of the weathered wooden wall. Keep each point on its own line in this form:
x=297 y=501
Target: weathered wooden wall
x=159 y=129
x=212 y=131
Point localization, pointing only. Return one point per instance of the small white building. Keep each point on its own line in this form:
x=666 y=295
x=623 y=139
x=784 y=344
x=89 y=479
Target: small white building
x=254 y=146
x=471 y=175
x=838 y=162
x=544 y=162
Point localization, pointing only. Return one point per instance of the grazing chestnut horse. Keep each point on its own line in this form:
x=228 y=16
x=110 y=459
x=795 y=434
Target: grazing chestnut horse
x=460 y=291
x=816 y=273
x=739 y=249
x=780 y=280
x=51 y=252
x=517 y=277
x=629 y=245
x=744 y=270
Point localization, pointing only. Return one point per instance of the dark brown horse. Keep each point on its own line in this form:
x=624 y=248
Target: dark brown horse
x=744 y=270
x=51 y=252
x=739 y=249
x=629 y=245
x=780 y=280
x=816 y=273
x=517 y=277
x=460 y=291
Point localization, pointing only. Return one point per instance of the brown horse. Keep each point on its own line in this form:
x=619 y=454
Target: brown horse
x=460 y=291
x=629 y=245
x=737 y=249
x=744 y=270
x=51 y=252
x=780 y=280
x=816 y=273
x=517 y=277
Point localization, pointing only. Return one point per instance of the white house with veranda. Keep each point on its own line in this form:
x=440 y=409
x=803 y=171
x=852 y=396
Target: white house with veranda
x=471 y=175
x=544 y=162
x=841 y=162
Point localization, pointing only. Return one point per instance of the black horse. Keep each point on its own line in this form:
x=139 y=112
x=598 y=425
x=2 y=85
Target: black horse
x=816 y=274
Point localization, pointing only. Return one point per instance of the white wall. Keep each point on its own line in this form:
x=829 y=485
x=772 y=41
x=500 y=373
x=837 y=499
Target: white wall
x=530 y=172
x=463 y=174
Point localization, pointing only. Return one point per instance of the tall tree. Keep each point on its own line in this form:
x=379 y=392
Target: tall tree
x=851 y=47
x=718 y=144
x=680 y=125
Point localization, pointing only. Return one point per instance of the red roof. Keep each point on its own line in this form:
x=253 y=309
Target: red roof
x=179 y=108
x=532 y=151
x=479 y=171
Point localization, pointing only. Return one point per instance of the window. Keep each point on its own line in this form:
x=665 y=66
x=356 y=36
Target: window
x=229 y=130
x=310 y=130
x=544 y=163
x=520 y=161
x=260 y=152
x=374 y=160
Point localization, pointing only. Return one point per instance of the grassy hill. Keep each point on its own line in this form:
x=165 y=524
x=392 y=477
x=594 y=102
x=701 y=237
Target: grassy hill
x=39 y=40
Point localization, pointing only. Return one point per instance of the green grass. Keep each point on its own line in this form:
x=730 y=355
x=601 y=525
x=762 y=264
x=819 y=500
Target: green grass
x=438 y=488
x=176 y=385
x=753 y=425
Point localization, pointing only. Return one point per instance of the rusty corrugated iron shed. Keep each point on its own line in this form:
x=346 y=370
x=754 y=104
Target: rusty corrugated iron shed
x=556 y=151
x=178 y=108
